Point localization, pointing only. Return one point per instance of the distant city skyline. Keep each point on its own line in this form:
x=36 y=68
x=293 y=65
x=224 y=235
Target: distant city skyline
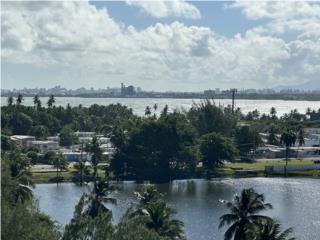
x=160 y=45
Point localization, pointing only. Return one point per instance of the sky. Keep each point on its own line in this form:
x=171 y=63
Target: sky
x=160 y=45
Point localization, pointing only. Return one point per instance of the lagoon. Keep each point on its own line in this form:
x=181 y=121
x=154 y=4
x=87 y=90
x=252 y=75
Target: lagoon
x=296 y=202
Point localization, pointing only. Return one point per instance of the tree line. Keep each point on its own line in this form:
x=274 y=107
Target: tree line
x=161 y=147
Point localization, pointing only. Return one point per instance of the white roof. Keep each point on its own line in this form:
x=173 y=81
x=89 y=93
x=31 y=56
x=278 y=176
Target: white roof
x=21 y=137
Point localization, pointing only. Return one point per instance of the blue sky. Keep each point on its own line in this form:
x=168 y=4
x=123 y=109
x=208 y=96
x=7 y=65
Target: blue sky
x=216 y=15
x=160 y=45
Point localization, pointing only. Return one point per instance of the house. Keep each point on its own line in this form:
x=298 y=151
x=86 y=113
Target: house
x=84 y=134
x=54 y=138
x=76 y=156
x=44 y=146
x=312 y=137
x=23 y=140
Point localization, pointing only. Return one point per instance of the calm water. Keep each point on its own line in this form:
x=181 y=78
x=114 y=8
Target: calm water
x=296 y=202
x=139 y=104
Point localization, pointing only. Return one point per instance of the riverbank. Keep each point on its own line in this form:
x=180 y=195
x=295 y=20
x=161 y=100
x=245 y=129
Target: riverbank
x=232 y=169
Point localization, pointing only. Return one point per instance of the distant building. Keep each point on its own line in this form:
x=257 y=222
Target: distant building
x=84 y=134
x=23 y=140
x=53 y=138
x=209 y=93
x=76 y=156
x=127 y=91
x=44 y=146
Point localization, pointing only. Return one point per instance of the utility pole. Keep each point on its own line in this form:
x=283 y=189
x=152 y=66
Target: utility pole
x=233 y=91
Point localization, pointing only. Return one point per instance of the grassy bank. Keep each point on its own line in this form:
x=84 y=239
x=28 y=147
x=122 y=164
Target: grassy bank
x=228 y=170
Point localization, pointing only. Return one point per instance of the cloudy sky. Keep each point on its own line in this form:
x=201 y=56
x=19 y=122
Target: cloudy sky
x=160 y=45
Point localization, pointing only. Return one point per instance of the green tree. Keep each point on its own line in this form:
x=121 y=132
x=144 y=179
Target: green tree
x=155 y=215
x=215 y=149
x=83 y=226
x=20 y=123
x=159 y=217
x=60 y=163
x=96 y=151
x=206 y=117
x=148 y=194
x=51 y=101
x=272 y=137
x=147 y=111
x=40 y=132
x=244 y=215
x=10 y=101
x=19 y=100
x=300 y=138
x=271 y=230
x=37 y=102
x=67 y=136
x=164 y=111
x=159 y=149
x=247 y=139
x=273 y=113
x=288 y=139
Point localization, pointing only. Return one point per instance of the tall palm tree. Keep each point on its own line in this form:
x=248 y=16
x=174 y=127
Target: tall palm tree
x=60 y=163
x=147 y=111
x=100 y=195
x=51 y=101
x=19 y=100
x=244 y=214
x=288 y=139
x=10 y=101
x=20 y=175
x=96 y=157
x=300 y=138
x=272 y=137
x=271 y=230
x=36 y=102
x=159 y=217
x=273 y=112
x=147 y=195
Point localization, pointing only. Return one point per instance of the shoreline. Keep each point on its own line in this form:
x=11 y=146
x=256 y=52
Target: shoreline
x=46 y=178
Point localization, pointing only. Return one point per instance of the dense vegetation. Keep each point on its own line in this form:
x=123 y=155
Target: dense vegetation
x=172 y=145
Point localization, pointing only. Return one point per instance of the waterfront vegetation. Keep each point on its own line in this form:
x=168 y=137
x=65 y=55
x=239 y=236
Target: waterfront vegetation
x=176 y=144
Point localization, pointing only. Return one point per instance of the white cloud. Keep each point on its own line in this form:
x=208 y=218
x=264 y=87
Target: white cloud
x=162 y=9
x=92 y=49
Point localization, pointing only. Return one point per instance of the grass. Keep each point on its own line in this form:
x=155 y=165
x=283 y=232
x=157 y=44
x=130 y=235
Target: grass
x=229 y=168
x=46 y=177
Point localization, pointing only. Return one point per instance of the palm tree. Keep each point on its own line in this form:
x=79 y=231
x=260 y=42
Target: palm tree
x=271 y=230
x=273 y=112
x=147 y=195
x=96 y=157
x=51 y=101
x=300 y=139
x=19 y=100
x=147 y=111
x=10 y=101
x=37 y=102
x=158 y=216
x=20 y=174
x=288 y=139
x=60 y=163
x=272 y=137
x=100 y=195
x=244 y=214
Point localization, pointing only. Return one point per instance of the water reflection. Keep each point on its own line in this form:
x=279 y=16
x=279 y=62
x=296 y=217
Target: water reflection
x=295 y=201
